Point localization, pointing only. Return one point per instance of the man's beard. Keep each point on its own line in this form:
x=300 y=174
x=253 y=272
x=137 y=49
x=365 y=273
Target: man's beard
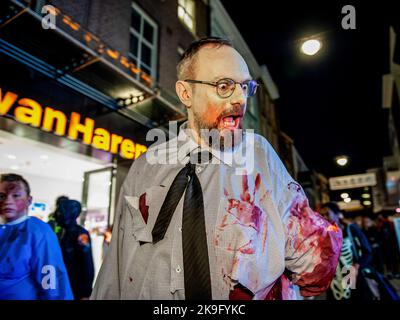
x=223 y=140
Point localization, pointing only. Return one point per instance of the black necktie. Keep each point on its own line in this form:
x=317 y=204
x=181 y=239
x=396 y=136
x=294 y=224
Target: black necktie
x=194 y=240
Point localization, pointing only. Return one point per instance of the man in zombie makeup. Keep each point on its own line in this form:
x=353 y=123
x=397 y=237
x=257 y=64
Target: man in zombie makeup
x=31 y=264
x=198 y=226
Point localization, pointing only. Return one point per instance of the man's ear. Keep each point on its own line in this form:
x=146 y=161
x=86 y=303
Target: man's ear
x=184 y=92
x=30 y=200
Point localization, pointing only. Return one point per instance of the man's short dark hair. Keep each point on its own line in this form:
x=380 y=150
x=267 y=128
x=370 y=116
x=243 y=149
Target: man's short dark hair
x=186 y=66
x=12 y=177
x=61 y=198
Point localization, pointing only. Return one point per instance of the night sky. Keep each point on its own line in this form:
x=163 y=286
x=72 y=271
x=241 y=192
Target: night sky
x=330 y=104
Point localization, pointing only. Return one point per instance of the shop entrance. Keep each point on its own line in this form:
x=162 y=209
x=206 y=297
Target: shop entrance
x=97 y=199
x=98 y=194
x=54 y=171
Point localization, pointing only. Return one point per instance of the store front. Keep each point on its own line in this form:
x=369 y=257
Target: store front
x=41 y=116
x=65 y=144
x=53 y=171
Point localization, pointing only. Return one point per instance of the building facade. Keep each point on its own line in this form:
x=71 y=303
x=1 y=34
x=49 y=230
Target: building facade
x=390 y=195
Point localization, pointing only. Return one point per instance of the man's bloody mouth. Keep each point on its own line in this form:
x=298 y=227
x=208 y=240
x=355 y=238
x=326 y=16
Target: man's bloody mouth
x=232 y=121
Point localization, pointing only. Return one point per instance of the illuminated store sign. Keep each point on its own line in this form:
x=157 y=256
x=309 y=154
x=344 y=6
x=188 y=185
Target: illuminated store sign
x=28 y=111
x=353 y=181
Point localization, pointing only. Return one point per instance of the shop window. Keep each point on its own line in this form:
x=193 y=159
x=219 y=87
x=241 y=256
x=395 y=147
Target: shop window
x=143 y=42
x=186 y=13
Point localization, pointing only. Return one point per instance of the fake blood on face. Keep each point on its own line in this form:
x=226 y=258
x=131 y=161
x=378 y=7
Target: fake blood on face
x=14 y=201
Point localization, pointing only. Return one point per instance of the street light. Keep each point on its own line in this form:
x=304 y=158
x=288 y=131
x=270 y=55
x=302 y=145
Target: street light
x=311 y=47
x=347 y=200
x=342 y=160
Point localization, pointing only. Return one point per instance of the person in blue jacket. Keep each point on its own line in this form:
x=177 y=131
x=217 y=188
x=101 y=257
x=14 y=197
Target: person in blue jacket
x=31 y=263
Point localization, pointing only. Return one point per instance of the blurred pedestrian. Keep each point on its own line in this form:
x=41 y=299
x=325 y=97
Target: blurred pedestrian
x=76 y=248
x=370 y=230
x=355 y=264
x=52 y=217
x=388 y=242
x=31 y=264
x=341 y=288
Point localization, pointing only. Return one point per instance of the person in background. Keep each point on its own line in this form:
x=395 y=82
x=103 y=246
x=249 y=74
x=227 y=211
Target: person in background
x=76 y=248
x=388 y=242
x=356 y=262
x=370 y=230
x=52 y=217
x=355 y=259
x=358 y=220
x=31 y=264
x=339 y=289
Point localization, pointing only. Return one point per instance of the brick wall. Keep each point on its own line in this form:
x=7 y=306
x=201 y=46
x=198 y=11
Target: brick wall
x=110 y=20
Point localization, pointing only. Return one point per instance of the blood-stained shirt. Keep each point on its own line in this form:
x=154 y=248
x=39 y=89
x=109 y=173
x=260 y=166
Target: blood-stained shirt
x=262 y=236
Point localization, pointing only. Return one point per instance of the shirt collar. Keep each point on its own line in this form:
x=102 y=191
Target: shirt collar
x=19 y=220
x=187 y=144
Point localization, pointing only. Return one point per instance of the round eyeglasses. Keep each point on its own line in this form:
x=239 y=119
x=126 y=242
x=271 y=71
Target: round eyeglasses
x=225 y=87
